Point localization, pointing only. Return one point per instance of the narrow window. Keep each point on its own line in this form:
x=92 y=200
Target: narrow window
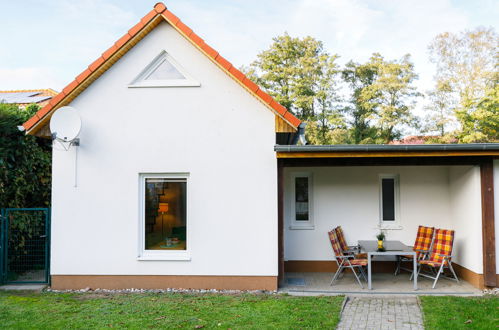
x=388 y=197
x=389 y=200
x=301 y=199
x=165 y=221
x=301 y=212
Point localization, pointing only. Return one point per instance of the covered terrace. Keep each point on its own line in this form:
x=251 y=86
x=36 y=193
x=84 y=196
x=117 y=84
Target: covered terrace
x=393 y=188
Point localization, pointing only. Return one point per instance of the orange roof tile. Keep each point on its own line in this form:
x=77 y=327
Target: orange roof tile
x=45 y=91
x=108 y=53
x=32 y=121
x=96 y=63
x=161 y=10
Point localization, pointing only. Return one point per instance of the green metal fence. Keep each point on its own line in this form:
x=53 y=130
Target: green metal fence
x=24 y=245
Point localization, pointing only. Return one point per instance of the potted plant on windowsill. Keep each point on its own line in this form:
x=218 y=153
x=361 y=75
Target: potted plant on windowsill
x=381 y=238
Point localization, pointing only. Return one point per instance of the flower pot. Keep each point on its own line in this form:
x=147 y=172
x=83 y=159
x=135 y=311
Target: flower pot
x=380 y=244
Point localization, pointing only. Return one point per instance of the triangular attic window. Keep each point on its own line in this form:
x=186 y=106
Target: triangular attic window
x=163 y=71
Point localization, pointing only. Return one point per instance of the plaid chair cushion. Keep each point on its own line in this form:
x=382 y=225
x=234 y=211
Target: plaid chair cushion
x=442 y=246
x=423 y=238
x=335 y=244
x=431 y=263
x=341 y=238
x=358 y=262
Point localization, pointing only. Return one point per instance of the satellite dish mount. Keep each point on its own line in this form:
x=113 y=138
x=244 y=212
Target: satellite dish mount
x=65 y=126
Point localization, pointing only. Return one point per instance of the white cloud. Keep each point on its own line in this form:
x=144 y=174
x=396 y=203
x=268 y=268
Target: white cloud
x=91 y=26
x=29 y=78
x=69 y=36
x=341 y=22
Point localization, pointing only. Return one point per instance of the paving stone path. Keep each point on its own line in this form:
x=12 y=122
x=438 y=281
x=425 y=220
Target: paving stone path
x=381 y=313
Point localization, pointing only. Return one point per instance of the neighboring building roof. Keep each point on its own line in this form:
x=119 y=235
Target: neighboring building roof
x=159 y=14
x=419 y=139
x=381 y=150
x=26 y=96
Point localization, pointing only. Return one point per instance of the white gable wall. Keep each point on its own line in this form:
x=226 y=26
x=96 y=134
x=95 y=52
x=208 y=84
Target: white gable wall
x=218 y=133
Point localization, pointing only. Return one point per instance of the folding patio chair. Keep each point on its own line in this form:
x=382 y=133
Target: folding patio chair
x=422 y=246
x=343 y=243
x=352 y=250
x=440 y=256
x=345 y=261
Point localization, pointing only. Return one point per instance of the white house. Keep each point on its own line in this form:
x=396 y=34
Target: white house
x=178 y=181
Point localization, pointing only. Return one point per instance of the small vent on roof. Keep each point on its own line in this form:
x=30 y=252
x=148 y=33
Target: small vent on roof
x=164 y=71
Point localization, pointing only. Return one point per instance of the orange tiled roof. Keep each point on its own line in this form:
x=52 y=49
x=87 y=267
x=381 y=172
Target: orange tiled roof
x=160 y=10
x=45 y=91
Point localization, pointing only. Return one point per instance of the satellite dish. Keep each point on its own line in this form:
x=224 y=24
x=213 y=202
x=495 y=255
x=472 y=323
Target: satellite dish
x=65 y=124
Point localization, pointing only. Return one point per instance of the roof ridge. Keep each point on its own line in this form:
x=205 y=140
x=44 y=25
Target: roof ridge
x=160 y=10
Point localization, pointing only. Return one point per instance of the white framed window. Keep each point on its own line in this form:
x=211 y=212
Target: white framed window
x=389 y=201
x=164 y=71
x=301 y=201
x=163 y=216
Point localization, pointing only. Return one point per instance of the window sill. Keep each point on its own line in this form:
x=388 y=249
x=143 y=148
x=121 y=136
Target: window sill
x=391 y=227
x=302 y=227
x=185 y=256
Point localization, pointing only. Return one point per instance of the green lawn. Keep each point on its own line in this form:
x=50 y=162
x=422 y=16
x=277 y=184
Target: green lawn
x=460 y=312
x=153 y=310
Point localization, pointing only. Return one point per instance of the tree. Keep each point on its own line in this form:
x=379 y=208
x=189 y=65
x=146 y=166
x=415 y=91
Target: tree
x=395 y=96
x=439 y=118
x=482 y=122
x=288 y=71
x=301 y=76
x=359 y=77
x=382 y=100
x=467 y=63
x=318 y=135
x=328 y=125
x=25 y=161
x=360 y=111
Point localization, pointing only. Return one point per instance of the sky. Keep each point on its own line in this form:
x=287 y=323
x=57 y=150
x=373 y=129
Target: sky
x=46 y=43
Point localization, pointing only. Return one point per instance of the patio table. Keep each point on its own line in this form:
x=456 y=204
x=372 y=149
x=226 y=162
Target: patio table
x=391 y=248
